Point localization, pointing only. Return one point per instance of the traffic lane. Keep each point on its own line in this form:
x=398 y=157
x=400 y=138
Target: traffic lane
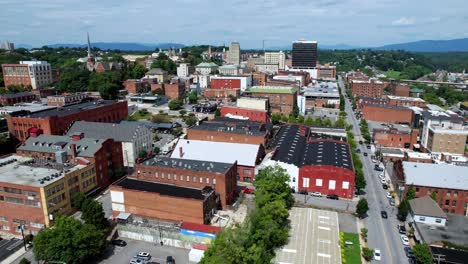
x=323 y=202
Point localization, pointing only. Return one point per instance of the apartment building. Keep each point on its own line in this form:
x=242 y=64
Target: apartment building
x=37 y=74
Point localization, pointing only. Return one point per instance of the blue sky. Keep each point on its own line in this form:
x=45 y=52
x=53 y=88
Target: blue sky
x=330 y=22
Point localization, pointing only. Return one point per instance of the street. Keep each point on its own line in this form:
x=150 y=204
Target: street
x=383 y=233
x=323 y=202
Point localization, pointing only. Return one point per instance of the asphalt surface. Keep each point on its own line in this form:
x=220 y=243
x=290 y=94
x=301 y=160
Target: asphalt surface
x=383 y=233
x=324 y=203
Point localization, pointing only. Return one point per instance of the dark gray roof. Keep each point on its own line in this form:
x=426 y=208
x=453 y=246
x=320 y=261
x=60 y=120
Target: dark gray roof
x=427 y=207
x=164 y=189
x=71 y=109
x=433 y=115
x=16 y=95
x=454 y=231
x=98 y=130
x=387 y=106
x=85 y=147
x=149 y=124
x=187 y=164
x=231 y=125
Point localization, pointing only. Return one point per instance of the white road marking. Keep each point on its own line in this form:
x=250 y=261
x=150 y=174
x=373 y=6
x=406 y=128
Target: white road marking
x=324 y=228
x=289 y=250
x=323 y=255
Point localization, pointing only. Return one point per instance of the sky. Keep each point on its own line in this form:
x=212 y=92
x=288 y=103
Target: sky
x=363 y=23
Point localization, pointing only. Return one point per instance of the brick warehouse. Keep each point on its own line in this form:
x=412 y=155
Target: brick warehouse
x=371 y=88
x=106 y=154
x=223 y=129
x=10 y=99
x=250 y=114
x=388 y=114
x=315 y=162
x=56 y=121
x=281 y=99
x=192 y=174
x=163 y=201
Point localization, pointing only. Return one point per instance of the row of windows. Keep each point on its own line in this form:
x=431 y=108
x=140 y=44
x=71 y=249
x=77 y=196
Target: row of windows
x=319 y=183
x=91 y=181
x=448 y=193
x=20 y=201
x=55 y=189
x=57 y=199
x=18 y=191
x=180 y=177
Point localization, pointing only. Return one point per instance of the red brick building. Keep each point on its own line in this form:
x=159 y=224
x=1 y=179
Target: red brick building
x=193 y=174
x=66 y=99
x=19 y=74
x=281 y=99
x=357 y=75
x=56 y=121
x=11 y=99
x=394 y=138
x=163 y=201
x=259 y=79
x=105 y=154
x=371 y=88
x=406 y=101
x=136 y=86
x=251 y=114
x=387 y=114
x=327 y=179
x=221 y=94
x=305 y=76
x=399 y=89
x=230 y=130
x=225 y=83
x=174 y=91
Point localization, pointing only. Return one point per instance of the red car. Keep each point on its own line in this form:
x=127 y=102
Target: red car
x=248 y=191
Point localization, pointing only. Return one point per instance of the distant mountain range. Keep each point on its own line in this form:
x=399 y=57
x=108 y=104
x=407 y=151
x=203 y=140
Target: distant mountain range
x=429 y=45
x=416 y=46
x=116 y=45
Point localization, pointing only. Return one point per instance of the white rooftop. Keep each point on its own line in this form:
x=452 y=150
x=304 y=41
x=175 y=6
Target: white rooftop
x=436 y=175
x=244 y=154
x=11 y=171
x=418 y=155
x=404 y=98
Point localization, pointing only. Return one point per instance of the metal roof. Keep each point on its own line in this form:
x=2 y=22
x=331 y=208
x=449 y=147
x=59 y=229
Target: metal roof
x=436 y=175
x=187 y=164
x=71 y=109
x=119 y=132
x=427 y=207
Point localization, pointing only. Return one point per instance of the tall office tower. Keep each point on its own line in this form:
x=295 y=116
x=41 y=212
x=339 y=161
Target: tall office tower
x=276 y=58
x=304 y=54
x=234 y=53
x=8 y=46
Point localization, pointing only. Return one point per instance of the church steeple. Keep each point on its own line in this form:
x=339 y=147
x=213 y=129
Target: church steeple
x=89 y=47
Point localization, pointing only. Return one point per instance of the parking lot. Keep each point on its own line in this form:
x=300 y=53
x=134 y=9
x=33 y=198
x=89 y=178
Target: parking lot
x=123 y=255
x=314 y=238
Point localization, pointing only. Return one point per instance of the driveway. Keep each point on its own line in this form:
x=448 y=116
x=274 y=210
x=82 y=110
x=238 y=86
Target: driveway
x=322 y=202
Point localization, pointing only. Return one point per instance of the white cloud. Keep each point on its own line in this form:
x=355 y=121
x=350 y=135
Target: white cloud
x=404 y=21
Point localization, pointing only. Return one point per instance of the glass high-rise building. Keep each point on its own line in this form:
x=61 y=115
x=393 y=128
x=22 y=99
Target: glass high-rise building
x=304 y=54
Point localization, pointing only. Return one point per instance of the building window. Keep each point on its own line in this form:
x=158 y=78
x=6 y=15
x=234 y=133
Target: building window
x=156 y=174
x=201 y=179
x=454 y=203
x=305 y=183
x=319 y=182
x=207 y=180
x=448 y=193
x=188 y=178
x=194 y=179
x=168 y=176
x=214 y=180
x=345 y=185
x=438 y=220
x=181 y=178
x=455 y=193
x=247 y=172
x=162 y=175
x=331 y=184
x=447 y=202
x=3 y=219
x=417 y=189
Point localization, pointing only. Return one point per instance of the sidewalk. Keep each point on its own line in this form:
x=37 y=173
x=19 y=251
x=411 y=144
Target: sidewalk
x=20 y=252
x=363 y=243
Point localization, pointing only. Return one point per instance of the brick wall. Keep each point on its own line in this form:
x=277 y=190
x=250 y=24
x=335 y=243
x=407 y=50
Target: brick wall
x=449 y=200
x=226 y=83
x=395 y=115
x=371 y=89
x=394 y=138
x=220 y=136
x=221 y=94
x=327 y=174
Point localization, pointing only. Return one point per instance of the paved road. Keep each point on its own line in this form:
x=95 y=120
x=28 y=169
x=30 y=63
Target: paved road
x=383 y=233
x=323 y=202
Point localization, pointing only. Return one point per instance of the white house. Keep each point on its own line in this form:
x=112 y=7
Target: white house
x=426 y=211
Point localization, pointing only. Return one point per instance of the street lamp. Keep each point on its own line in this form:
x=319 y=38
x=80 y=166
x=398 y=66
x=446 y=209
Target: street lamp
x=21 y=227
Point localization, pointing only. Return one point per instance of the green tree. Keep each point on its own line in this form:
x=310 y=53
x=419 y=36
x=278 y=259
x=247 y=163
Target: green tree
x=367 y=253
x=78 y=199
x=143 y=154
x=109 y=91
x=158 y=91
x=275 y=118
x=156 y=150
x=300 y=119
x=403 y=210
x=138 y=71
x=309 y=121
x=422 y=253
x=74 y=78
x=411 y=193
x=270 y=184
x=24 y=261
x=93 y=213
x=183 y=112
x=69 y=241
x=362 y=207
x=190 y=120
x=175 y=104
x=360 y=181
x=193 y=98
x=217 y=112
x=434 y=196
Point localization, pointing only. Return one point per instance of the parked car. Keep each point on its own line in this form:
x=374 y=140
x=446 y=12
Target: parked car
x=384 y=214
x=378 y=168
x=404 y=240
x=333 y=197
x=360 y=142
x=303 y=192
x=137 y=261
x=392 y=202
x=368 y=147
x=143 y=255
x=383 y=181
x=170 y=260
x=409 y=252
x=365 y=154
x=389 y=195
x=119 y=242
x=316 y=194
x=377 y=254
x=385 y=186
x=401 y=229
x=358 y=151
x=374 y=161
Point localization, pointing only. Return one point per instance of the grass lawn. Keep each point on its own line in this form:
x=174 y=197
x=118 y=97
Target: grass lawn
x=392 y=74
x=352 y=252
x=139 y=115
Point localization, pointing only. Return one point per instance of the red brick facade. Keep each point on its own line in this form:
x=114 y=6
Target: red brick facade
x=10 y=99
x=259 y=79
x=136 y=86
x=321 y=178
x=57 y=125
x=224 y=136
x=399 y=89
x=225 y=83
x=252 y=114
x=395 y=139
x=380 y=113
x=223 y=184
x=279 y=103
x=174 y=91
x=407 y=101
x=221 y=94
x=21 y=78
x=450 y=200
x=372 y=88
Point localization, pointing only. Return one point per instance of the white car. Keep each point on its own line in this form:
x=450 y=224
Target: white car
x=377 y=254
x=389 y=195
x=404 y=240
x=316 y=194
x=383 y=181
x=381 y=176
x=143 y=255
x=137 y=261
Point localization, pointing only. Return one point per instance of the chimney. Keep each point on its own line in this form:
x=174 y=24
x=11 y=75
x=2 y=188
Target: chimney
x=181 y=152
x=73 y=151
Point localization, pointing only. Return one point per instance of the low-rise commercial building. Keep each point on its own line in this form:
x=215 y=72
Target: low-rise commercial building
x=229 y=70
x=174 y=91
x=326 y=72
x=221 y=177
x=319 y=95
x=33 y=191
x=206 y=68
x=425 y=210
x=406 y=101
x=66 y=99
x=393 y=135
x=135 y=138
x=14 y=98
x=448 y=182
x=224 y=95
x=281 y=99
x=246 y=155
x=224 y=129
x=399 y=89
x=268 y=68
x=244 y=113
x=105 y=154
x=57 y=120
x=230 y=82
x=157 y=73
x=387 y=114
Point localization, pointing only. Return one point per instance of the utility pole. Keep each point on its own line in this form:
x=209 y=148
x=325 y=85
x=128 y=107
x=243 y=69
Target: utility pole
x=21 y=226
